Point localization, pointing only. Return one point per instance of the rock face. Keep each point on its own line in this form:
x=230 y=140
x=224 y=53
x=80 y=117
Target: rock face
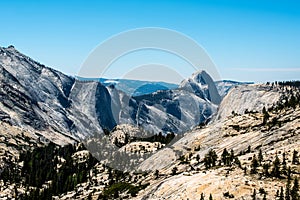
x=121 y=133
x=224 y=86
x=32 y=94
x=248 y=97
x=245 y=134
x=172 y=111
x=203 y=86
x=40 y=98
x=244 y=97
x=239 y=132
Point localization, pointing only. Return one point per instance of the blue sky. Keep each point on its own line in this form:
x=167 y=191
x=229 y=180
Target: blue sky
x=253 y=40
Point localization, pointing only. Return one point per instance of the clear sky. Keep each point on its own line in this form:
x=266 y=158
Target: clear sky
x=253 y=40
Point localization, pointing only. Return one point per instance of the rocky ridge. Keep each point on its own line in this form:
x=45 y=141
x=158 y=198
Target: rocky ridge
x=36 y=97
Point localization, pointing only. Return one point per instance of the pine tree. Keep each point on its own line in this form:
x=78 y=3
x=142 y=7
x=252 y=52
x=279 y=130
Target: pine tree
x=202 y=196
x=156 y=174
x=266 y=168
x=284 y=167
x=214 y=157
x=276 y=168
x=289 y=172
x=254 y=195
x=288 y=189
x=231 y=157
x=207 y=161
x=210 y=197
x=260 y=157
x=266 y=115
x=249 y=149
x=237 y=162
x=174 y=170
x=293 y=102
x=295 y=159
x=210 y=159
x=295 y=190
x=265 y=197
x=225 y=157
x=245 y=170
x=281 y=196
x=254 y=165
x=277 y=193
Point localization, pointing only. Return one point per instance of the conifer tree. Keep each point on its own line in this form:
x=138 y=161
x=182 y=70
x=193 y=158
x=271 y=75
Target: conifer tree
x=266 y=115
x=281 y=196
x=295 y=190
x=288 y=189
x=265 y=197
x=276 y=167
x=214 y=157
x=198 y=158
x=202 y=196
x=210 y=159
x=254 y=165
x=232 y=156
x=225 y=157
x=260 y=157
x=295 y=159
x=174 y=170
x=245 y=170
x=249 y=149
x=266 y=168
x=277 y=193
x=254 y=195
x=289 y=172
x=284 y=167
x=207 y=161
x=156 y=174
x=237 y=162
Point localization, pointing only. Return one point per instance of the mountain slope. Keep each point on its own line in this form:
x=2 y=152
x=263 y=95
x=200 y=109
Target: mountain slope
x=214 y=129
x=246 y=135
x=182 y=169
x=224 y=86
x=248 y=97
x=203 y=86
x=36 y=97
x=33 y=95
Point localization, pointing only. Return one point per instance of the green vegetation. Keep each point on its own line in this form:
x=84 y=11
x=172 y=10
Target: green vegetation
x=254 y=165
x=295 y=190
x=276 y=168
x=266 y=115
x=210 y=159
x=52 y=170
x=115 y=189
x=162 y=138
x=295 y=159
x=254 y=195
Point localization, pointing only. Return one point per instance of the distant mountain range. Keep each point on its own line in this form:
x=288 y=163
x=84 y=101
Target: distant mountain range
x=133 y=87
x=38 y=97
x=225 y=85
x=138 y=87
x=103 y=150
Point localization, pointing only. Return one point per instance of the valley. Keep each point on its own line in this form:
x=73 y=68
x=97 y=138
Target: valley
x=61 y=138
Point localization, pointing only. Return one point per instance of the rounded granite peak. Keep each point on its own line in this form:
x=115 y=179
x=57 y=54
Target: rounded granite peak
x=202 y=85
